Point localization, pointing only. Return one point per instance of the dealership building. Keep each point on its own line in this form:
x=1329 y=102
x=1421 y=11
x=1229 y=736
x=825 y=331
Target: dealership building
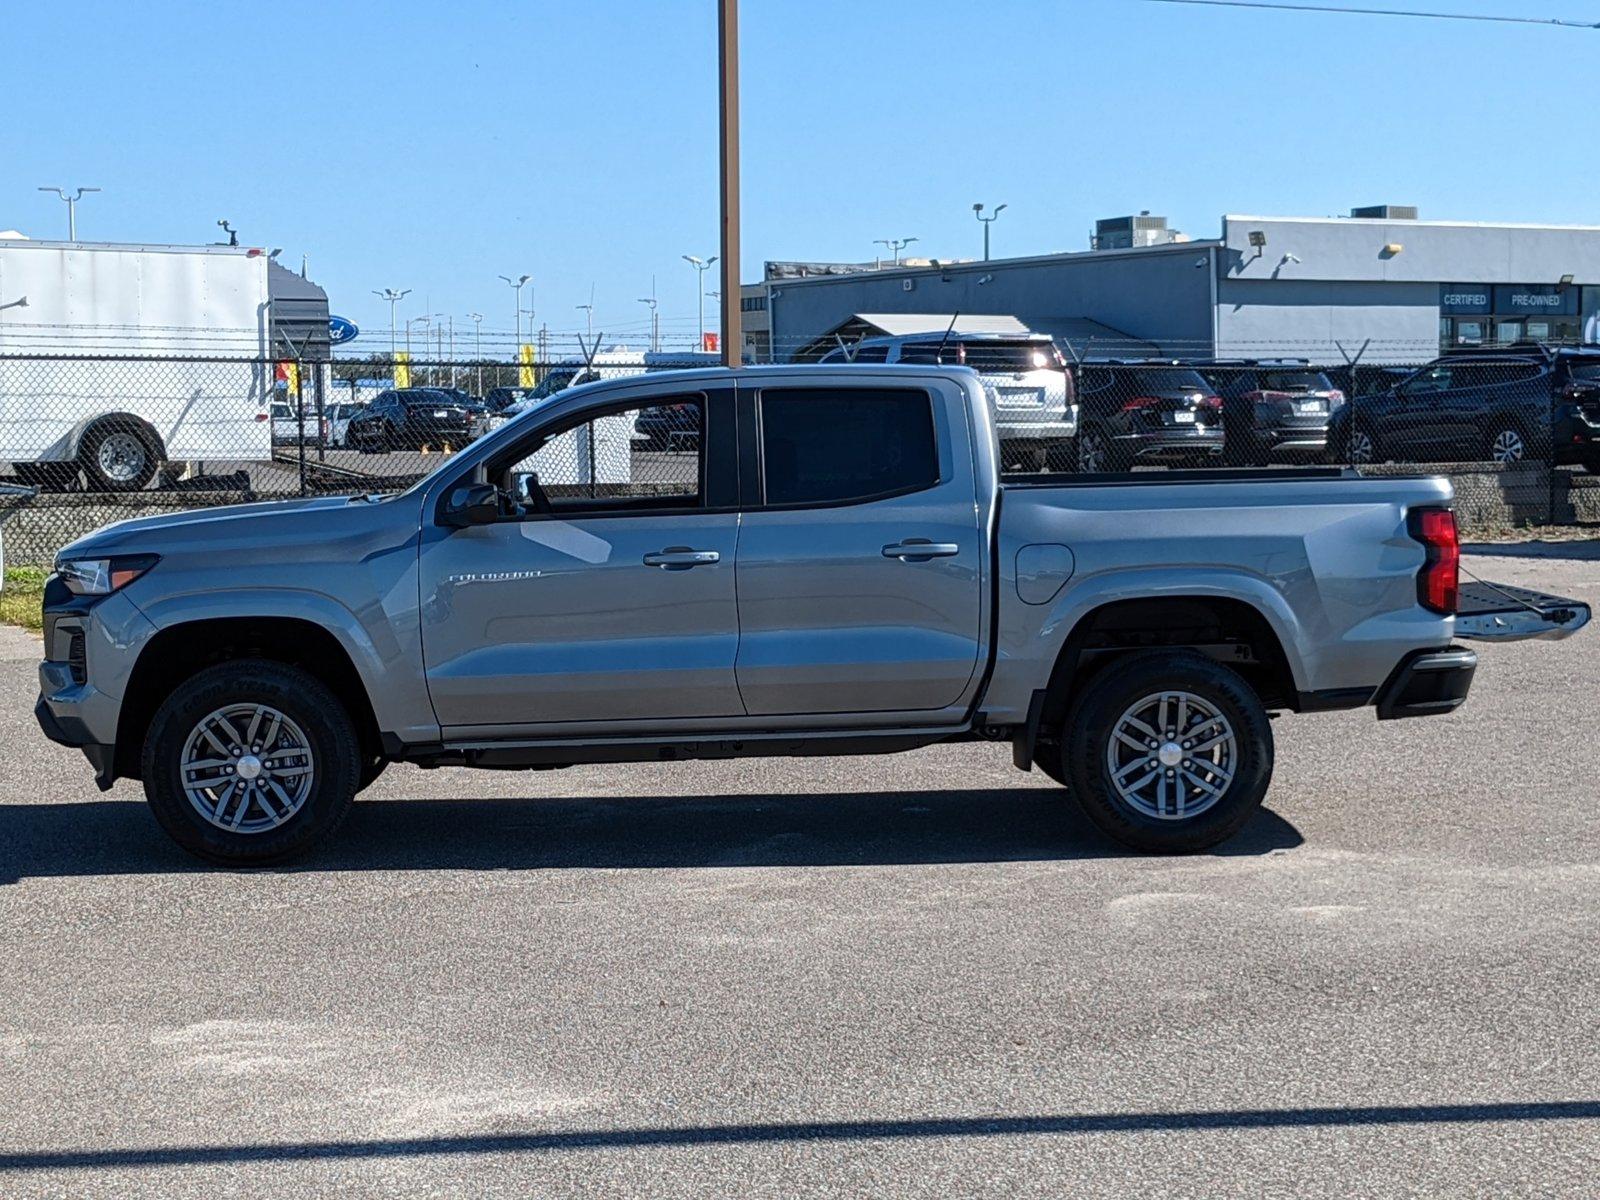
x=1380 y=283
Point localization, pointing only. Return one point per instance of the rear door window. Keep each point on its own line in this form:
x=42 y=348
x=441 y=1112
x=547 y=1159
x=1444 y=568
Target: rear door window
x=826 y=446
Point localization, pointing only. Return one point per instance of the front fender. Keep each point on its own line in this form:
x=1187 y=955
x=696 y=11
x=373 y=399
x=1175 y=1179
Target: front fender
x=389 y=669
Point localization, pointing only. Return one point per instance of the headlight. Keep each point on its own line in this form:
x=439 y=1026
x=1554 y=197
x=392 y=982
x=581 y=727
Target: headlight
x=102 y=576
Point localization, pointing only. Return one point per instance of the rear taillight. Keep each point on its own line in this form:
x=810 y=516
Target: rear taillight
x=1439 y=581
x=1211 y=402
x=1141 y=402
x=1335 y=397
x=262 y=416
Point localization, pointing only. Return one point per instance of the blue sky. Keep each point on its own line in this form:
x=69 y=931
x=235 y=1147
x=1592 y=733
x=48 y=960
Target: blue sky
x=436 y=146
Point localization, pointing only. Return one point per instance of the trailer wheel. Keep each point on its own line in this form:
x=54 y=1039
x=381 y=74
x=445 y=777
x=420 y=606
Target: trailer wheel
x=1169 y=752
x=118 y=456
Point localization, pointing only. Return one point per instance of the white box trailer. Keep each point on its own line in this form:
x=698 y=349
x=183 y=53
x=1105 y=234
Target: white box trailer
x=127 y=357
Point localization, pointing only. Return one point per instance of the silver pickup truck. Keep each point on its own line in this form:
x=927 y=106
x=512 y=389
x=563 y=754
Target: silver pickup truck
x=762 y=561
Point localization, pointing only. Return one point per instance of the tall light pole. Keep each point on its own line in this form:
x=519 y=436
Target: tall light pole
x=477 y=327
x=72 y=207
x=895 y=245
x=588 y=313
x=516 y=286
x=393 y=297
x=701 y=266
x=977 y=211
x=410 y=321
x=655 y=317
x=728 y=145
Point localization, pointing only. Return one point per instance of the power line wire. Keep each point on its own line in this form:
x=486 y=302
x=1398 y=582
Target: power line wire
x=1385 y=12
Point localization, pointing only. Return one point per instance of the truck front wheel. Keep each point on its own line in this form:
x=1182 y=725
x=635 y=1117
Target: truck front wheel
x=1168 y=752
x=250 y=763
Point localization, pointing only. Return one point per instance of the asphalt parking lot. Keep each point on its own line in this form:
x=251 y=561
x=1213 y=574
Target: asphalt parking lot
x=918 y=975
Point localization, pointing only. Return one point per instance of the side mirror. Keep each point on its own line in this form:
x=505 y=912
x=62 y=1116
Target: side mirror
x=473 y=504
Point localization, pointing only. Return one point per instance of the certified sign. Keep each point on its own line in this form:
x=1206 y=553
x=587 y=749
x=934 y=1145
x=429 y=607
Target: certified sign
x=341 y=330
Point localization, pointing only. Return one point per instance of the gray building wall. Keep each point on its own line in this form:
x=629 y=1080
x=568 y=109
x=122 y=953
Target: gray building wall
x=1156 y=295
x=1317 y=282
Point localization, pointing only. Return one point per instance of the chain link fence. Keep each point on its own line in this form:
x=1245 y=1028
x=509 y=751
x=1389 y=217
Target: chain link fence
x=85 y=440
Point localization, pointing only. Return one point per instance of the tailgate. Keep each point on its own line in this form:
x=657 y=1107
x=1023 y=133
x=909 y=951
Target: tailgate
x=1500 y=612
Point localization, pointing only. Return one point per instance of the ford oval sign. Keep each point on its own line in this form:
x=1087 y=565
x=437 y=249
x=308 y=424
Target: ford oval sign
x=341 y=330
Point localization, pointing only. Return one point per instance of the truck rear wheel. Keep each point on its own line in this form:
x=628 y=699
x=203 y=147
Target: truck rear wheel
x=1168 y=752
x=250 y=763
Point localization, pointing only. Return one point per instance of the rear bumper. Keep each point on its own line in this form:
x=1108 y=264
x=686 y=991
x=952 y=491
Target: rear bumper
x=1428 y=683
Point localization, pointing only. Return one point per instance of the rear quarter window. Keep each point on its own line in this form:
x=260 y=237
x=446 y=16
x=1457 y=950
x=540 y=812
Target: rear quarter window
x=840 y=446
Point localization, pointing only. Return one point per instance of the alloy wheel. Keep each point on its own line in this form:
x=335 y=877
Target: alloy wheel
x=1507 y=447
x=1171 y=756
x=247 y=768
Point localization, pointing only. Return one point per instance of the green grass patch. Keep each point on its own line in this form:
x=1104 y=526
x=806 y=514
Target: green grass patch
x=22 y=598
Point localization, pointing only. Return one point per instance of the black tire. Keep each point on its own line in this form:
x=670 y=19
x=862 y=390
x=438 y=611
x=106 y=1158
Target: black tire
x=1090 y=725
x=298 y=695
x=133 y=465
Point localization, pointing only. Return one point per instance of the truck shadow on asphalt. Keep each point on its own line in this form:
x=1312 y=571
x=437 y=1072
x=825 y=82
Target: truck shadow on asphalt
x=111 y=837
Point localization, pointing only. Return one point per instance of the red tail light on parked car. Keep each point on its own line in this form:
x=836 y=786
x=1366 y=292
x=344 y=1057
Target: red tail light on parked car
x=1141 y=402
x=1211 y=402
x=1439 y=581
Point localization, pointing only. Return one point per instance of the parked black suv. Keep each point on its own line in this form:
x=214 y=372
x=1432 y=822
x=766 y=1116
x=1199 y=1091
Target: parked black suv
x=1500 y=405
x=1272 y=409
x=1138 y=412
x=415 y=419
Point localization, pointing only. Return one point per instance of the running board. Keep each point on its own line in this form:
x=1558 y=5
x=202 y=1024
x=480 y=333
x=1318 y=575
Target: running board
x=544 y=752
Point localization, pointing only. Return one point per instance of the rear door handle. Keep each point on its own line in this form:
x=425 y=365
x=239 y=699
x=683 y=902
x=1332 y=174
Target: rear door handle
x=681 y=558
x=920 y=550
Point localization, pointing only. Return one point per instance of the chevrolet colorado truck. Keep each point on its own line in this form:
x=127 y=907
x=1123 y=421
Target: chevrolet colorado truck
x=819 y=560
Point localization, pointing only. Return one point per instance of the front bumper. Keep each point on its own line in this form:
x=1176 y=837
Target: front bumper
x=70 y=731
x=1428 y=683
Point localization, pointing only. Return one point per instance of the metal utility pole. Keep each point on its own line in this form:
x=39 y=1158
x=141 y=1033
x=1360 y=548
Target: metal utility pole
x=72 y=207
x=977 y=211
x=895 y=245
x=393 y=297
x=655 y=317
x=728 y=78
x=588 y=313
x=701 y=266
x=477 y=325
x=516 y=286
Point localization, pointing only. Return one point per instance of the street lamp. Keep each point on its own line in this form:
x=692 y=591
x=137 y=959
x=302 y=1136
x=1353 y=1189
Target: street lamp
x=655 y=317
x=516 y=286
x=477 y=327
x=72 y=207
x=977 y=211
x=393 y=297
x=410 y=321
x=701 y=266
x=895 y=245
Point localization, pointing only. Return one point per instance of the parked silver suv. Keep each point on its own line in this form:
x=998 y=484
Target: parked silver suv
x=1030 y=389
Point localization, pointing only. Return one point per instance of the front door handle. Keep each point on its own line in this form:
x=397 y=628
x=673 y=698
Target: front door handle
x=681 y=558
x=920 y=550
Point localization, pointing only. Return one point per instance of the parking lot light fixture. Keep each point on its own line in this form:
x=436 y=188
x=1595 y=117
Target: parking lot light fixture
x=895 y=245
x=517 y=285
x=701 y=266
x=72 y=207
x=393 y=297
x=977 y=211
